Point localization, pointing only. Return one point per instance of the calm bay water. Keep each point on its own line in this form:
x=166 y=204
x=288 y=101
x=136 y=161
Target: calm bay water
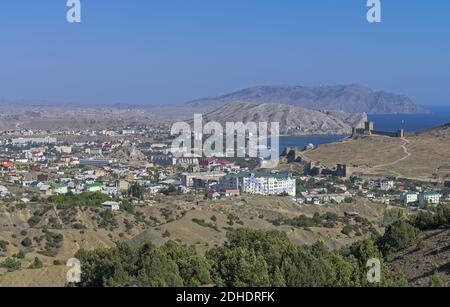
x=439 y=115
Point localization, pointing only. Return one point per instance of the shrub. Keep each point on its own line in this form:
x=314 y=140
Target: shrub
x=11 y=265
x=205 y=224
x=27 y=242
x=37 y=264
x=3 y=245
x=34 y=220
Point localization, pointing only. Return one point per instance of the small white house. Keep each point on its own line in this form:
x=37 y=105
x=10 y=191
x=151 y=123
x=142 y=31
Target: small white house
x=111 y=205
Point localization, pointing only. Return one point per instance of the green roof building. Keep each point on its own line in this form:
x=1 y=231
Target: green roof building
x=94 y=187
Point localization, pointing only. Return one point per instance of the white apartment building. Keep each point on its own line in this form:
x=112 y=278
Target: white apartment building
x=430 y=198
x=38 y=141
x=261 y=183
x=409 y=197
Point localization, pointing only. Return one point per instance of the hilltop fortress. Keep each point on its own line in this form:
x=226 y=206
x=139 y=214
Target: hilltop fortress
x=369 y=130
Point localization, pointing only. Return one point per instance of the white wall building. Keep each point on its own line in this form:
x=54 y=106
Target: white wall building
x=387 y=185
x=409 y=197
x=261 y=183
x=111 y=205
x=429 y=198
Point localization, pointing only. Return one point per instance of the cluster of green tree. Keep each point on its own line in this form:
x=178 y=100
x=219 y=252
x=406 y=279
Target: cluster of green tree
x=89 y=199
x=128 y=207
x=136 y=190
x=403 y=232
x=169 y=190
x=433 y=220
x=170 y=265
x=250 y=258
x=398 y=236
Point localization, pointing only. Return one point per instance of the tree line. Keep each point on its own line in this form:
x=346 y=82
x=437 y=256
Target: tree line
x=250 y=258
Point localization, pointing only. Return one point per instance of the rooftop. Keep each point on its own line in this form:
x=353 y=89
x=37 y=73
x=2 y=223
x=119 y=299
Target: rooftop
x=259 y=175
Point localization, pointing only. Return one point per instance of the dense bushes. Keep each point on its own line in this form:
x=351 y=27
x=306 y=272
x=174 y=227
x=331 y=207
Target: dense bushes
x=398 y=236
x=168 y=266
x=433 y=220
x=249 y=258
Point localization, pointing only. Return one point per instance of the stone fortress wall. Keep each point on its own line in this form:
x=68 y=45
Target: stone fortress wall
x=369 y=129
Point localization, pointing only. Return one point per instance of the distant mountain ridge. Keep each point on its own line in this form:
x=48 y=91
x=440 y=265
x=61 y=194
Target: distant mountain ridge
x=294 y=120
x=348 y=98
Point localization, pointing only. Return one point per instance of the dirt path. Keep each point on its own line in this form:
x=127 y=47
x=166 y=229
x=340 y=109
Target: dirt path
x=407 y=155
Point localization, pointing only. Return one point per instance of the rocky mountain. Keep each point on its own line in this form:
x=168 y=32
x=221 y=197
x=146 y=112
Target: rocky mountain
x=347 y=98
x=293 y=120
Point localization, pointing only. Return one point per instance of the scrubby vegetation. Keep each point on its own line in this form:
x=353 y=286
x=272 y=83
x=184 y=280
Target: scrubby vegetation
x=203 y=223
x=108 y=220
x=352 y=225
x=84 y=199
x=11 y=264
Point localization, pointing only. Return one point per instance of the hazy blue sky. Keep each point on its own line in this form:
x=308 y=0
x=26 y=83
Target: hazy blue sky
x=172 y=51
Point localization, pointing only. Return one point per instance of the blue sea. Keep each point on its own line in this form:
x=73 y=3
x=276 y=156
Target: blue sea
x=438 y=116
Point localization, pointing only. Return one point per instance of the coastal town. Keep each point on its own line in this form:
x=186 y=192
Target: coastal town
x=38 y=164
x=235 y=145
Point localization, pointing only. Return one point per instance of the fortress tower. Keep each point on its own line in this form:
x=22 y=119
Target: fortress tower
x=369 y=127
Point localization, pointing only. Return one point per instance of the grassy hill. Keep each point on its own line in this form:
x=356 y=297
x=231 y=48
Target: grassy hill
x=55 y=234
x=422 y=156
